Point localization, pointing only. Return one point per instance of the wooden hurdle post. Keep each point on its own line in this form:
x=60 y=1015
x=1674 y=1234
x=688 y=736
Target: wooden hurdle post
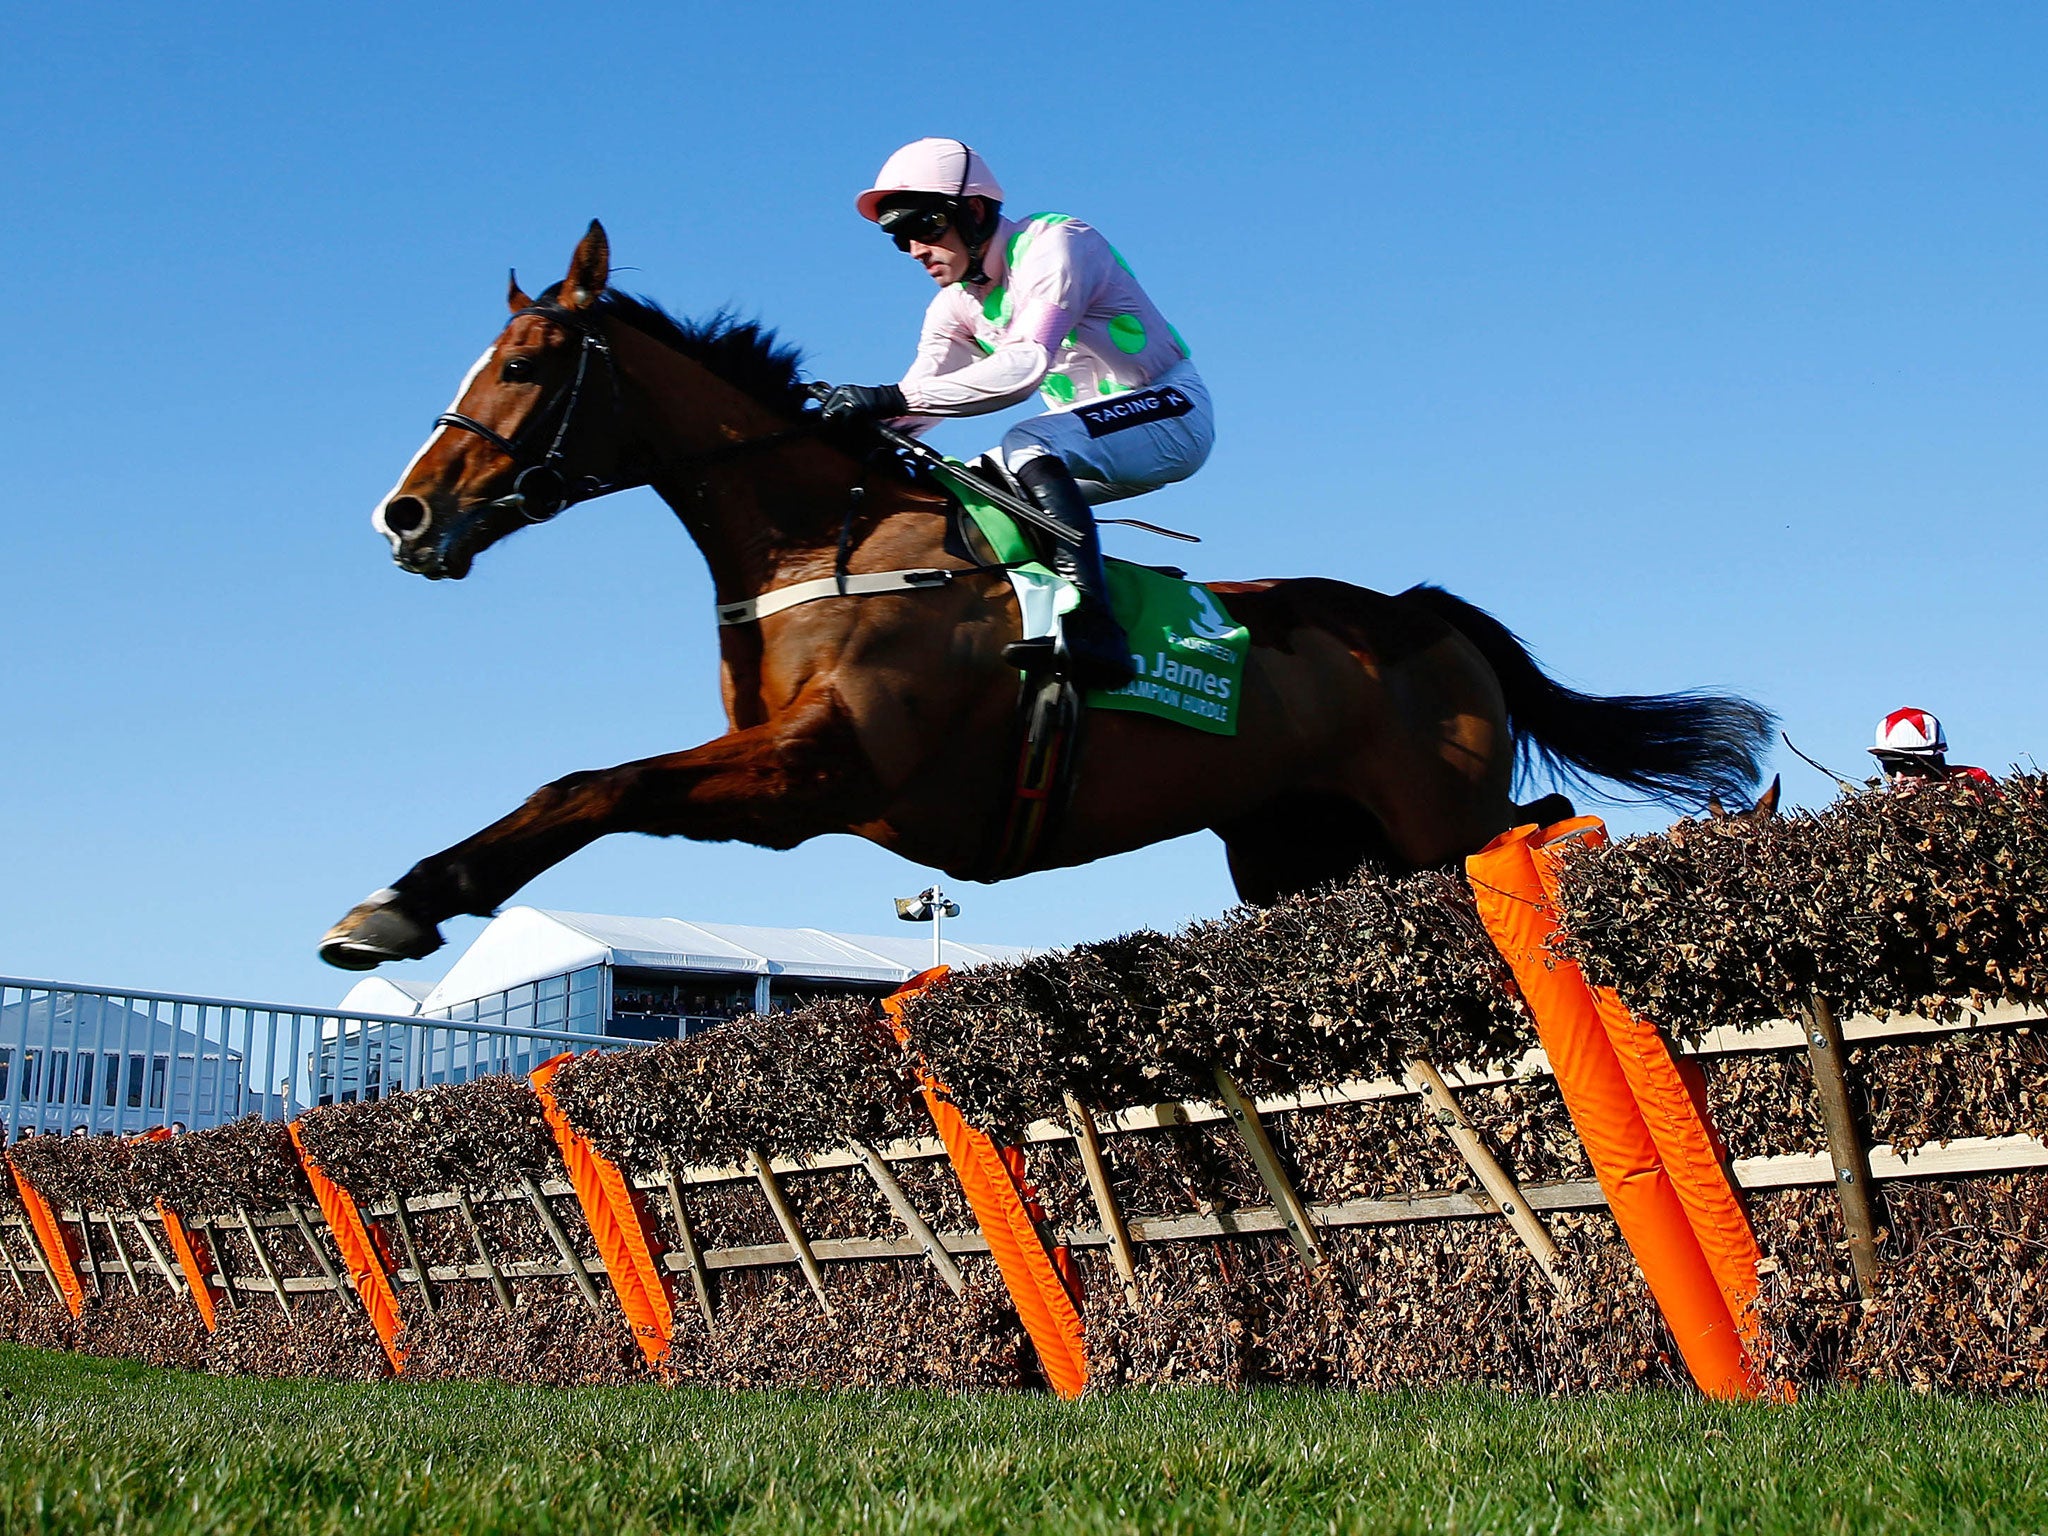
x=121 y=1253
x=284 y=1301
x=499 y=1289
x=1443 y=1108
x=343 y=1292
x=686 y=1239
x=1272 y=1173
x=1828 y=1055
x=13 y=1269
x=559 y=1236
x=1088 y=1142
x=913 y=1222
x=92 y=1260
x=156 y=1254
x=418 y=1265
x=785 y=1218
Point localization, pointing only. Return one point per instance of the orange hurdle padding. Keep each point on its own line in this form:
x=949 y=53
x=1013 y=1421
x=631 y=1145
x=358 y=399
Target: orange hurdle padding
x=618 y=1224
x=1037 y=1288
x=359 y=1251
x=187 y=1254
x=183 y=1249
x=1640 y=1186
x=1673 y=1105
x=50 y=1236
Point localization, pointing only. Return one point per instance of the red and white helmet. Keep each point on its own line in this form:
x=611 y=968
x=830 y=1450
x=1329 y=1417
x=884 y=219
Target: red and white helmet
x=945 y=166
x=1909 y=733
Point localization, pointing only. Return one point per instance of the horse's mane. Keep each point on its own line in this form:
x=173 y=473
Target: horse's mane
x=742 y=352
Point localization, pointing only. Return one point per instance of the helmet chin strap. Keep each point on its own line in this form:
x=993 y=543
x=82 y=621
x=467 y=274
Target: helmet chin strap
x=975 y=276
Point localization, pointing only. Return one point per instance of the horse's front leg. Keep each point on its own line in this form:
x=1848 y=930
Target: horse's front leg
x=776 y=784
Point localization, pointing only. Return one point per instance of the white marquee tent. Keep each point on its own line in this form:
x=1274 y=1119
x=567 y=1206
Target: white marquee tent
x=526 y=944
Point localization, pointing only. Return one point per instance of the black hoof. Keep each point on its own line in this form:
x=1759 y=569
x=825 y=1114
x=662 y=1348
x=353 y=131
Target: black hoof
x=378 y=929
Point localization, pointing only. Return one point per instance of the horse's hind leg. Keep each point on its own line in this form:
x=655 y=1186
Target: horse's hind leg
x=1300 y=843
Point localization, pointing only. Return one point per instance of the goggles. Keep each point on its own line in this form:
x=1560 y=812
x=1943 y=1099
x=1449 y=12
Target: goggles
x=924 y=223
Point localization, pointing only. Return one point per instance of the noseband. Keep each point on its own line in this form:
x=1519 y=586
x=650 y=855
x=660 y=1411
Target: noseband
x=541 y=488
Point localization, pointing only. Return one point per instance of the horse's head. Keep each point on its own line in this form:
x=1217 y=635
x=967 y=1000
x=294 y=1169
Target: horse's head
x=1765 y=808
x=535 y=427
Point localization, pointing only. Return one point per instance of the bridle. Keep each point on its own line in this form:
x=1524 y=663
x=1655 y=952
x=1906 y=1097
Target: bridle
x=542 y=488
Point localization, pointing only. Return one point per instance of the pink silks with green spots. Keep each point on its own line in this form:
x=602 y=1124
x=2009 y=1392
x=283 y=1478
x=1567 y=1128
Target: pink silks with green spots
x=1062 y=314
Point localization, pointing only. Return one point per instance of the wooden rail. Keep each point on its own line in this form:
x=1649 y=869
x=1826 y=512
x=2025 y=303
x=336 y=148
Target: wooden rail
x=1961 y=1158
x=249 y=1268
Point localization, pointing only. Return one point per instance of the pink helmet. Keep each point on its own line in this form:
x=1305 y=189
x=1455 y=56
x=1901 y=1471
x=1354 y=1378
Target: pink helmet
x=945 y=166
x=1909 y=733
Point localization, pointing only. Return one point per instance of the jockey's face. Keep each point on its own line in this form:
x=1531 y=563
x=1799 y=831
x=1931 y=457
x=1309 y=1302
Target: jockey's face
x=946 y=261
x=1902 y=766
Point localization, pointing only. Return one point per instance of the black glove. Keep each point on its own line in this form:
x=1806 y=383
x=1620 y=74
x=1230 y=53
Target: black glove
x=852 y=403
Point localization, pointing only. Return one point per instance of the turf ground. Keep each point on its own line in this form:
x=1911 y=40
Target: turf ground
x=98 y=1445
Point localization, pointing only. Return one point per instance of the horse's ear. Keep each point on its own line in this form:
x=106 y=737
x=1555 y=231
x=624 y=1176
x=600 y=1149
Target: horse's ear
x=515 y=296
x=1767 y=803
x=589 y=269
x=1716 y=811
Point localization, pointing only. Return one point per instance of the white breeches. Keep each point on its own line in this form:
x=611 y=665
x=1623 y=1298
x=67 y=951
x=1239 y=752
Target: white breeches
x=1124 y=445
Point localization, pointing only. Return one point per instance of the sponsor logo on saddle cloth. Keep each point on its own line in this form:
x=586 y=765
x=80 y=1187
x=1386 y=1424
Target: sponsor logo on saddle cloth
x=1189 y=653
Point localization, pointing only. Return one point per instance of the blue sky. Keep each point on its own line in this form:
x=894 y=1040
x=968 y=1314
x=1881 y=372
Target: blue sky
x=1704 y=349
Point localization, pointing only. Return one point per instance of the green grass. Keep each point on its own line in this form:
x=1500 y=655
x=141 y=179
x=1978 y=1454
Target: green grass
x=110 y=1446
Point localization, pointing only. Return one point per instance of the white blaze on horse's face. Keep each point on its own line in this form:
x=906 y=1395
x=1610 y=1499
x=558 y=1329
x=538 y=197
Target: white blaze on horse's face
x=395 y=537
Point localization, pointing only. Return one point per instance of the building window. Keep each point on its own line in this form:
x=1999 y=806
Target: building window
x=665 y=1005
x=787 y=994
x=555 y=1005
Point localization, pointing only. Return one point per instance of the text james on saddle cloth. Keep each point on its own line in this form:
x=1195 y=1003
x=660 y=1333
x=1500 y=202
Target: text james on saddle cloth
x=1043 y=302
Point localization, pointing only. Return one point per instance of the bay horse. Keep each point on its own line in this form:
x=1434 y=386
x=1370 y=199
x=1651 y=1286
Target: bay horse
x=1371 y=727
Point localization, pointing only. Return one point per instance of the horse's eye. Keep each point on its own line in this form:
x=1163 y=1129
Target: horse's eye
x=517 y=370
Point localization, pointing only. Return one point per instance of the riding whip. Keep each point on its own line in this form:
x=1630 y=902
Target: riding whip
x=1840 y=782
x=931 y=458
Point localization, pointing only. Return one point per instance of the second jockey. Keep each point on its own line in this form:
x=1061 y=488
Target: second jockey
x=1045 y=303
x=1912 y=749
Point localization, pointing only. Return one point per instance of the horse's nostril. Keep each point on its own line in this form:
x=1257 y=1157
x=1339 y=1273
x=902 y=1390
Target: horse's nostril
x=405 y=515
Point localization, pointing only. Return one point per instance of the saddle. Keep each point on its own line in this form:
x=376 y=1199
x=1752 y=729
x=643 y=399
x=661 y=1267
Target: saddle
x=1192 y=677
x=1045 y=727
x=966 y=539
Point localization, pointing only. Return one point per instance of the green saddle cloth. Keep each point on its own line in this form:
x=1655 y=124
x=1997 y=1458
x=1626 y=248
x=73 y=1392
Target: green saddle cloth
x=1188 y=651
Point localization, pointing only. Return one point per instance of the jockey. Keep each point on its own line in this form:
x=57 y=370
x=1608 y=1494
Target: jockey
x=1046 y=303
x=1912 y=749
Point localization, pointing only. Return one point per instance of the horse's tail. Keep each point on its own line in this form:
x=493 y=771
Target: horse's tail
x=1675 y=747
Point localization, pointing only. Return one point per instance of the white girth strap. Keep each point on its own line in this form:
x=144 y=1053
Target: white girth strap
x=774 y=601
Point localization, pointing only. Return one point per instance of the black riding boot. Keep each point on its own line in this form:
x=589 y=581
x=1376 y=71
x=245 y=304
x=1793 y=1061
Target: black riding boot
x=1092 y=651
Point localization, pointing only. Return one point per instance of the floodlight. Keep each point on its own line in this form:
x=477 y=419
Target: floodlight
x=930 y=905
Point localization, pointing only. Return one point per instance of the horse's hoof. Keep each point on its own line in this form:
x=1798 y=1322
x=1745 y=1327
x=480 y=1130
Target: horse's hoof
x=377 y=929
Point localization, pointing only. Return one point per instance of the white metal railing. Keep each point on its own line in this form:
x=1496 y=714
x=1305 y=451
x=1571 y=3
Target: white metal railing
x=114 y=1061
